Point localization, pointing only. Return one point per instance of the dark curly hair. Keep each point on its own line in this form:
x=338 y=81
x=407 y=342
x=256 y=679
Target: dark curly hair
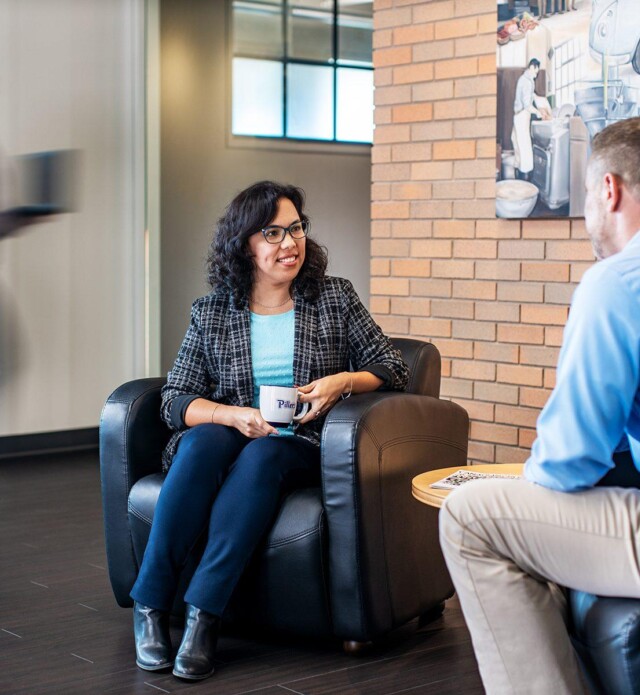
x=229 y=265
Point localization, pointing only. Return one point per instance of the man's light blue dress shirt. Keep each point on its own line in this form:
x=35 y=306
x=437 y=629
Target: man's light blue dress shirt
x=594 y=409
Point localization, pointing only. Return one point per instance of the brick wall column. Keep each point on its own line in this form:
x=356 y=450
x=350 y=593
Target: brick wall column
x=492 y=294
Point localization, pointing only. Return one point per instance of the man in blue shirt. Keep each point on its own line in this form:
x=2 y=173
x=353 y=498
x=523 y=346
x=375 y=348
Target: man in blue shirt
x=510 y=544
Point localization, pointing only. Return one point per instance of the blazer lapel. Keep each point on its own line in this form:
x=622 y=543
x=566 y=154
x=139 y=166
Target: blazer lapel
x=240 y=343
x=304 y=349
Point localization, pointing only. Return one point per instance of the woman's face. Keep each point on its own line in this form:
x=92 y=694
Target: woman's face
x=278 y=264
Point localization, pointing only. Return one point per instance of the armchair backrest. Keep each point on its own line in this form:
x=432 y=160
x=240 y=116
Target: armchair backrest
x=423 y=360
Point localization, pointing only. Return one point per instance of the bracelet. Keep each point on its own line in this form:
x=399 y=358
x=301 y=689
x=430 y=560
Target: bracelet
x=344 y=398
x=213 y=412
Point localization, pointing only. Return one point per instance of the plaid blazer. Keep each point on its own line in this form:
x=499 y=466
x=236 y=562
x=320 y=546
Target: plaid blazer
x=333 y=334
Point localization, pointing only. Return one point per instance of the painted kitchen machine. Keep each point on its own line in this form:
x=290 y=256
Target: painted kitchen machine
x=566 y=69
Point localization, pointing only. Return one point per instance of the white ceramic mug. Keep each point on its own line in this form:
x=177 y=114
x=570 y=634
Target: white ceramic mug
x=278 y=405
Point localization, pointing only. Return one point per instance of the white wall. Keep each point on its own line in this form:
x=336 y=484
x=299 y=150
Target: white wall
x=72 y=288
x=202 y=170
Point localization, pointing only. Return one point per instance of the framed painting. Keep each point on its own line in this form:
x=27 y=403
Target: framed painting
x=566 y=69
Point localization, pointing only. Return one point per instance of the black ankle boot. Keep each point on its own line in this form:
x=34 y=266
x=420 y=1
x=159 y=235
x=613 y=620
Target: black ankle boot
x=153 y=642
x=194 y=660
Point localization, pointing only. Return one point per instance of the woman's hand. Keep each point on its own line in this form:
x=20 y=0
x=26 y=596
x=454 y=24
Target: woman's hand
x=249 y=422
x=322 y=394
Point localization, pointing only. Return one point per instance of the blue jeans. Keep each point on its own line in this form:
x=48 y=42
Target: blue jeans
x=231 y=485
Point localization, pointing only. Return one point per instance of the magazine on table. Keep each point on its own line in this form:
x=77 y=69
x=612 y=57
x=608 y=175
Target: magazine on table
x=464 y=476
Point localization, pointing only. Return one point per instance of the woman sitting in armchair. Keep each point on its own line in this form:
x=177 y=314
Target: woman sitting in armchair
x=272 y=318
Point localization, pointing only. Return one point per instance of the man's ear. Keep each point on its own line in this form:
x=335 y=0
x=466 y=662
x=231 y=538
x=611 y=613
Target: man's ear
x=612 y=191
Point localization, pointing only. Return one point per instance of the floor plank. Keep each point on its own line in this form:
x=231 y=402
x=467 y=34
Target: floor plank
x=61 y=630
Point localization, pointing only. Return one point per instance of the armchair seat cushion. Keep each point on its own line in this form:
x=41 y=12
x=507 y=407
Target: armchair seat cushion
x=286 y=578
x=606 y=634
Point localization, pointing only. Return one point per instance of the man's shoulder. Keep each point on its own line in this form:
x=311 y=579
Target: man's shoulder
x=622 y=271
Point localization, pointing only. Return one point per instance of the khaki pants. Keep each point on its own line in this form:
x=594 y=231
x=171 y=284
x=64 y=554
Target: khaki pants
x=508 y=545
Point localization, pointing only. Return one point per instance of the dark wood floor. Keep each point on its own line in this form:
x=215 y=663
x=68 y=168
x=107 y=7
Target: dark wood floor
x=62 y=632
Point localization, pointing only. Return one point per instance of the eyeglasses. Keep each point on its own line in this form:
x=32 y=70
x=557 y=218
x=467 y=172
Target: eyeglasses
x=276 y=235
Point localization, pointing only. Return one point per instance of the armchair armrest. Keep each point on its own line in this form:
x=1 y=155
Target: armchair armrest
x=385 y=563
x=132 y=437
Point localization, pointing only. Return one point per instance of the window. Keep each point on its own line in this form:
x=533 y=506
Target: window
x=303 y=69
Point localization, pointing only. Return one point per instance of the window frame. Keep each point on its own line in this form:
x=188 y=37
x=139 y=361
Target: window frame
x=285 y=142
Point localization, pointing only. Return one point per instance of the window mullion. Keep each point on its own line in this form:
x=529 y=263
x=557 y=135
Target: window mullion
x=335 y=70
x=285 y=62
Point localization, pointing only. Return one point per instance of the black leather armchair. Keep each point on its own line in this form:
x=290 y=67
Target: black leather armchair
x=353 y=558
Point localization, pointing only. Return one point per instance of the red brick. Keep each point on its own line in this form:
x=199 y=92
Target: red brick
x=416 y=72
x=517 y=374
x=496 y=351
x=456 y=27
x=536 y=398
x=431 y=288
x=392 y=325
x=474 y=289
x=478 y=410
x=380 y=229
x=454 y=149
x=569 y=251
x=411 y=268
x=456 y=388
x=496 y=393
x=497 y=270
x=521 y=249
x=379 y=305
x=520 y=291
x=473 y=209
x=413 y=34
x=499 y=434
x=398 y=55
x=411 y=152
x=390 y=247
x=431 y=208
x=456 y=108
x=473 y=330
x=411 y=113
x=391 y=133
x=543 y=356
x=452 y=229
x=411 y=229
x=497 y=311
x=452 y=269
x=380 y=266
x=452 y=309
x=394 y=286
x=553 y=335
x=431 y=327
x=432 y=11
x=457 y=67
x=474 y=249
x=533 y=313
x=453 y=190
x=431 y=248
x=429 y=171
x=385 y=19
x=474 y=370
x=411 y=306
x=546 y=229
x=526 y=437
x=523 y=417
x=390 y=210
x=511 y=454
x=462 y=349
x=546 y=272
x=481 y=452
x=516 y=333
